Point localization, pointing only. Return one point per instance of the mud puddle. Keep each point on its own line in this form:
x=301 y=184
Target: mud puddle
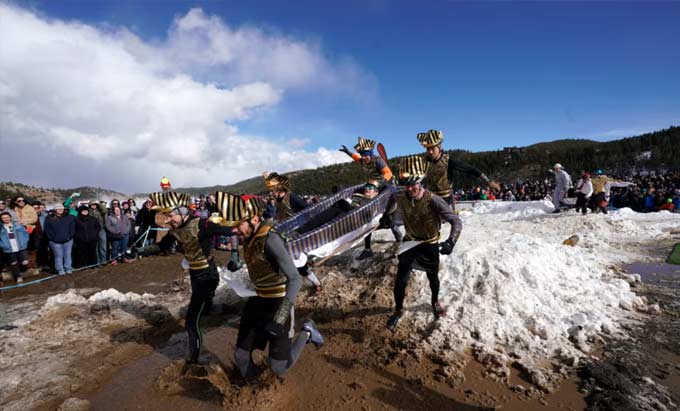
x=661 y=274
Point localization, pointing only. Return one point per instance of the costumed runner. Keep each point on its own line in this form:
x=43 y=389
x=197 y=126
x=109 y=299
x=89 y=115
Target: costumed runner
x=287 y=205
x=268 y=318
x=196 y=240
x=423 y=212
x=440 y=168
x=377 y=172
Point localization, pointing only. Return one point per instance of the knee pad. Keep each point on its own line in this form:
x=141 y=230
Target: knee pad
x=279 y=367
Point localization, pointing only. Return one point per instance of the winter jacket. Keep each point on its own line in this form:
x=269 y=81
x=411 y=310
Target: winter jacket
x=145 y=219
x=562 y=181
x=87 y=229
x=20 y=234
x=60 y=229
x=115 y=228
x=67 y=205
x=99 y=214
x=27 y=215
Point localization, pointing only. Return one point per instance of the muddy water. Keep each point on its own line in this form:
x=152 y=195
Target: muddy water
x=661 y=274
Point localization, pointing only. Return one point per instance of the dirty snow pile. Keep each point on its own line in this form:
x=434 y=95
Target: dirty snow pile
x=514 y=290
x=110 y=297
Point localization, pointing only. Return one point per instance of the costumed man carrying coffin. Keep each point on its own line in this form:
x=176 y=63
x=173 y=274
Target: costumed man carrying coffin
x=378 y=173
x=196 y=240
x=267 y=318
x=423 y=212
x=375 y=167
x=440 y=168
x=287 y=205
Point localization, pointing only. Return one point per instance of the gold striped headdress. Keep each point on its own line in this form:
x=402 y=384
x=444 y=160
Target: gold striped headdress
x=364 y=144
x=431 y=138
x=168 y=201
x=273 y=180
x=411 y=169
x=234 y=209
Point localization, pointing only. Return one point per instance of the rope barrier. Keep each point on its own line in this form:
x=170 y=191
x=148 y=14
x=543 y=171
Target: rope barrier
x=143 y=236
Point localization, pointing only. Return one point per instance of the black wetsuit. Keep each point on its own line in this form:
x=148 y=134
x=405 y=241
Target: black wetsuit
x=197 y=246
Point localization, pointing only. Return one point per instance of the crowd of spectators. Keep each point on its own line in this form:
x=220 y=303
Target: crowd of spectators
x=74 y=234
x=649 y=192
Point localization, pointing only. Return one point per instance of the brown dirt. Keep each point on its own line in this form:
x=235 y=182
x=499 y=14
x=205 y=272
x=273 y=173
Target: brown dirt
x=362 y=366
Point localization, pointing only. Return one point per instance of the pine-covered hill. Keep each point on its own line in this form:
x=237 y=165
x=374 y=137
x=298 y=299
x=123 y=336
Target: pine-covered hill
x=652 y=151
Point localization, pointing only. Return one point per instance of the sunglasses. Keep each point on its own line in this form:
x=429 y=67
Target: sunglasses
x=21 y=201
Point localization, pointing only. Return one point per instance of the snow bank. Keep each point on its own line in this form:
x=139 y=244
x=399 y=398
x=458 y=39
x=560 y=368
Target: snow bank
x=109 y=297
x=511 y=286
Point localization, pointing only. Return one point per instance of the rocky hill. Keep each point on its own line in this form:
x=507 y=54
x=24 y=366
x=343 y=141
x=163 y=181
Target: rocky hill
x=55 y=195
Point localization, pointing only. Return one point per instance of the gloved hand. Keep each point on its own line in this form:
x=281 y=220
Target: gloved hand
x=75 y=194
x=446 y=247
x=495 y=186
x=345 y=150
x=234 y=266
x=277 y=326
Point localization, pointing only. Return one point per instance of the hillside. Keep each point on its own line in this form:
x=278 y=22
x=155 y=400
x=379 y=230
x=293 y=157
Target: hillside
x=55 y=195
x=651 y=151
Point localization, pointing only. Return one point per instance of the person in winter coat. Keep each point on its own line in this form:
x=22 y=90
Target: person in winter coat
x=562 y=184
x=118 y=229
x=145 y=220
x=86 y=238
x=13 y=242
x=99 y=211
x=584 y=189
x=132 y=234
x=25 y=213
x=60 y=229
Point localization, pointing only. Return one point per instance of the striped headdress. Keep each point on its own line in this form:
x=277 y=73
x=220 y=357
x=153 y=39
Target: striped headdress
x=431 y=138
x=168 y=201
x=364 y=144
x=273 y=180
x=411 y=169
x=234 y=209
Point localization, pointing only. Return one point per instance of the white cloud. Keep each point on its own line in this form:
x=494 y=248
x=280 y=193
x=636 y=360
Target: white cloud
x=109 y=99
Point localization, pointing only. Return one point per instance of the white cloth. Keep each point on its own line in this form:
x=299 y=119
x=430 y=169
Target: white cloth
x=585 y=187
x=562 y=184
x=12 y=237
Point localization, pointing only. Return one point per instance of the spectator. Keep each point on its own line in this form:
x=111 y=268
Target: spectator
x=71 y=204
x=145 y=221
x=202 y=212
x=39 y=239
x=86 y=238
x=584 y=189
x=98 y=211
x=133 y=206
x=131 y=235
x=60 y=229
x=5 y=207
x=13 y=242
x=25 y=213
x=118 y=229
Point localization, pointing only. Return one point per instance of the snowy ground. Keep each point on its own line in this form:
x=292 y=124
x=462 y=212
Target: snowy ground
x=515 y=295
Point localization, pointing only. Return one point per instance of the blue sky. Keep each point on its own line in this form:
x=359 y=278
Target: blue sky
x=489 y=74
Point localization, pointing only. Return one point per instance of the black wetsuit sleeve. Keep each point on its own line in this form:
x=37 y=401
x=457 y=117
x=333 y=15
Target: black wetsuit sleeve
x=455 y=165
x=297 y=203
x=443 y=210
x=277 y=255
x=164 y=245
